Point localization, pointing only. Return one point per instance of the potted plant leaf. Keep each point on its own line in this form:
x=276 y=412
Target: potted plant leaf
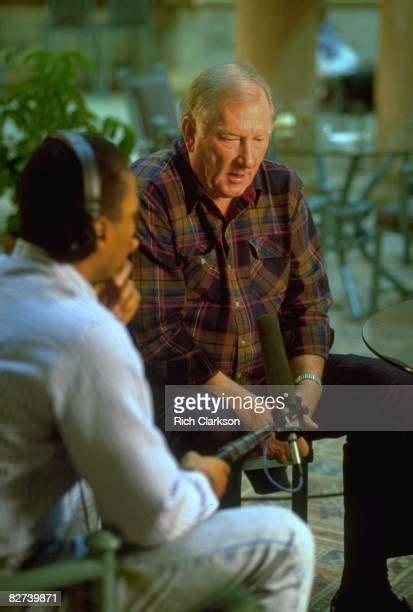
x=40 y=94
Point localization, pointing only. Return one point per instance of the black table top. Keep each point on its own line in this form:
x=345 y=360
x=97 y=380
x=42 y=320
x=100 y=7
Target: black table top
x=389 y=334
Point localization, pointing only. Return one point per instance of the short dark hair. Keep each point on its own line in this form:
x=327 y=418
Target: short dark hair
x=51 y=198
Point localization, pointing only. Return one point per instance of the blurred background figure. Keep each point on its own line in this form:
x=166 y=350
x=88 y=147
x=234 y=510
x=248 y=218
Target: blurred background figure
x=346 y=82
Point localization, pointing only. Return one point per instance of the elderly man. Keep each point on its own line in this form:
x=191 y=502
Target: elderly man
x=226 y=236
x=75 y=403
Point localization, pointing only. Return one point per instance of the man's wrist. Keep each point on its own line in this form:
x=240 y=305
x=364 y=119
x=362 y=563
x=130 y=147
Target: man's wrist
x=304 y=376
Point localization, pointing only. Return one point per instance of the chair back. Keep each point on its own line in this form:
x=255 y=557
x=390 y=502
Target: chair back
x=75 y=13
x=99 y=568
x=153 y=109
x=129 y=13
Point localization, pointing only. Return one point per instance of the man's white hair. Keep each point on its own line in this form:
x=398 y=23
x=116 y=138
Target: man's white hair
x=224 y=81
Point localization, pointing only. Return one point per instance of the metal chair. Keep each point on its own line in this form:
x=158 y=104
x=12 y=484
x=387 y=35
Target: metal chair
x=126 y=35
x=394 y=217
x=99 y=568
x=153 y=108
x=343 y=211
x=347 y=229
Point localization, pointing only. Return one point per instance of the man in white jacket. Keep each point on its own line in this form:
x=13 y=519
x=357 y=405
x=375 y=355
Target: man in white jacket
x=75 y=404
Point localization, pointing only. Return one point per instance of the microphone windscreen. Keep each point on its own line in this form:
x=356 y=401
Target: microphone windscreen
x=276 y=365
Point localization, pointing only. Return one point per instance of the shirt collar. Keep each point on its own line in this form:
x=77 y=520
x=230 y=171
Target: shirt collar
x=195 y=192
x=26 y=251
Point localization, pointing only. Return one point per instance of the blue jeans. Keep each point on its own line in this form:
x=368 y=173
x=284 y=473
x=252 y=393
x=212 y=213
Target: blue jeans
x=263 y=552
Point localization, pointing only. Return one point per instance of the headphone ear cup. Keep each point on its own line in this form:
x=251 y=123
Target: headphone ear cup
x=83 y=241
x=74 y=239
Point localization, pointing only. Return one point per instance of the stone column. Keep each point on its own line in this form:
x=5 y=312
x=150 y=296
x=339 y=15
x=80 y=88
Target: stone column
x=279 y=38
x=394 y=81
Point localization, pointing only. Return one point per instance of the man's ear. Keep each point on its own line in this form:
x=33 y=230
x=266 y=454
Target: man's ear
x=188 y=132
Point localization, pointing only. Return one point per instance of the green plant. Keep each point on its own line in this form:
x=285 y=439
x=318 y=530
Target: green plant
x=42 y=95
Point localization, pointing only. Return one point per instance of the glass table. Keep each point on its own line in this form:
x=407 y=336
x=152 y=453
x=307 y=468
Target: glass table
x=388 y=333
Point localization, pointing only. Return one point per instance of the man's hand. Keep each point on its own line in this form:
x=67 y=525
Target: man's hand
x=120 y=294
x=310 y=394
x=216 y=470
x=281 y=450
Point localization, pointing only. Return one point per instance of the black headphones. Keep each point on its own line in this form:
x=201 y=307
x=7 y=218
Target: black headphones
x=90 y=170
x=83 y=240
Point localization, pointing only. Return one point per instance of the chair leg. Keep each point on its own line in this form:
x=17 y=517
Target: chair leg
x=375 y=280
x=350 y=287
x=380 y=271
x=104 y=545
x=406 y=249
x=299 y=502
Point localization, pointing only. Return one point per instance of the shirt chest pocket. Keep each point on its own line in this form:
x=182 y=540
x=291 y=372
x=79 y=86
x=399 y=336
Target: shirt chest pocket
x=269 y=268
x=202 y=277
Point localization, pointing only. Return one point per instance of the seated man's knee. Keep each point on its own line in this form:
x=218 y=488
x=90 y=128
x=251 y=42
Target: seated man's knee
x=299 y=539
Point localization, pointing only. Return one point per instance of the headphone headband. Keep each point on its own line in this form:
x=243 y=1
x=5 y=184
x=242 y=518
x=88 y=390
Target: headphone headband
x=90 y=171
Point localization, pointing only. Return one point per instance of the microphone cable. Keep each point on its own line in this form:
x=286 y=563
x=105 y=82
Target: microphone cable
x=236 y=449
x=273 y=480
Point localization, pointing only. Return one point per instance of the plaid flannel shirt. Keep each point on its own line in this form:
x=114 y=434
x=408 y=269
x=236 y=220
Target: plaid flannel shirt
x=204 y=279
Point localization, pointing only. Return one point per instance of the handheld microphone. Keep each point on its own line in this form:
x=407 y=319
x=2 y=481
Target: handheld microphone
x=232 y=451
x=275 y=359
x=278 y=372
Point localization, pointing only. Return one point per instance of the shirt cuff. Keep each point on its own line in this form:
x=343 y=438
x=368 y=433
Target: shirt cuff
x=314 y=340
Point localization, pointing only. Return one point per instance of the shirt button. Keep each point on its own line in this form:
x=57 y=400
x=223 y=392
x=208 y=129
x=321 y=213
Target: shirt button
x=237 y=304
x=243 y=342
x=229 y=266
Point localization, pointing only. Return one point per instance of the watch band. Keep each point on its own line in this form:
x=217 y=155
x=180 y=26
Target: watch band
x=308 y=376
